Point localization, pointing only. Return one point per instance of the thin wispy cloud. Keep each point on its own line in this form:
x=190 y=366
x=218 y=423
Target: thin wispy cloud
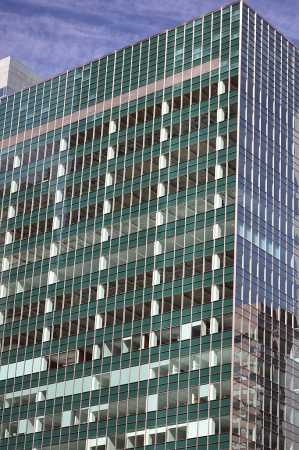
x=51 y=36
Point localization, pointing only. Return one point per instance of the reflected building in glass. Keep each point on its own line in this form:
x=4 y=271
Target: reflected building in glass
x=148 y=292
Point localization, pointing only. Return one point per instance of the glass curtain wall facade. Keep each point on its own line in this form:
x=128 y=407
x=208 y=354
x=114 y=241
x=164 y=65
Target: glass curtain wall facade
x=266 y=371
x=118 y=184
x=147 y=292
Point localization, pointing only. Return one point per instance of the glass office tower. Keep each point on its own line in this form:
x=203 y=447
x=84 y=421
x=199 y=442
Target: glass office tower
x=266 y=370
x=148 y=292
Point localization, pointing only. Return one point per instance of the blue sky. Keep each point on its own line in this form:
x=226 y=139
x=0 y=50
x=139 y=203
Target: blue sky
x=51 y=36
